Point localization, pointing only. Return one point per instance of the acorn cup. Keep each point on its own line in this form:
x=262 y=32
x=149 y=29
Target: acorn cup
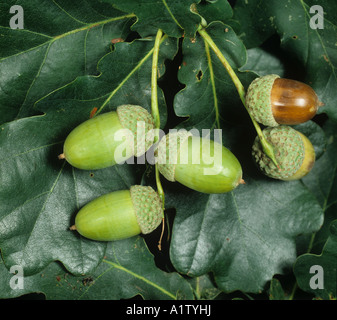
x=120 y=214
x=198 y=163
x=272 y=101
x=109 y=138
x=294 y=154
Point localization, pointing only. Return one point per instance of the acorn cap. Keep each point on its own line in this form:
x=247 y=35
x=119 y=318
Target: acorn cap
x=131 y=115
x=258 y=100
x=148 y=207
x=293 y=151
x=168 y=151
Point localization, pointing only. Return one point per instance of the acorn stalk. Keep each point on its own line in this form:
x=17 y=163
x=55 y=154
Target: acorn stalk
x=155 y=109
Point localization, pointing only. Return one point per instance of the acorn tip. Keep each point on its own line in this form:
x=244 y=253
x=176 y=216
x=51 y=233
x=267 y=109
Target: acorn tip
x=73 y=227
x=242 y=181
x=61 y=156
x=320 y=104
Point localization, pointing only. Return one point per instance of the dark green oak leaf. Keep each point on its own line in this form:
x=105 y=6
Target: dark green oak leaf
x=174 y=17
x=125 y=78
x=243 y=237
x=275 y=290
x=247 y=236
x=214 y=10
x=317 y=274
x=41 y=194
x=127 y=270
x=204 y=101
x=322 y=182
x=204 y=287
x=60 y=41
x=262 y=62
x=255 y=24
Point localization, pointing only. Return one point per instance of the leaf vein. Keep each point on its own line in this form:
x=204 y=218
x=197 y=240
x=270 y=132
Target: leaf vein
x=35 y=78
x=135 y=275
x=171 y=14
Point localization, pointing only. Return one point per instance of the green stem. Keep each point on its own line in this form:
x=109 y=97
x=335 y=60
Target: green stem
x=267 y=147
x=135 y=69
x=211 y=73
x=223 y=60
x=197 y=289
x=154 y=94
x=311 y=243
x=154 y=106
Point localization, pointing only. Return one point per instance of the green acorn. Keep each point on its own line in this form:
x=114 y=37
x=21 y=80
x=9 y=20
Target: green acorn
x=97 y=143
x=120 y=214
x=294 y=154
x=272 y=101
x=198 y=163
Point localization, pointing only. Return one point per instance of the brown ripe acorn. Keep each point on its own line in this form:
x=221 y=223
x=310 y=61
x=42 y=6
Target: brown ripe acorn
x=272 y=101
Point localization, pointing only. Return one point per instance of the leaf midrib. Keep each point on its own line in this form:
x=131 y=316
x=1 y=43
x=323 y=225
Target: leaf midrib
x=147 y=281
x=55 y=38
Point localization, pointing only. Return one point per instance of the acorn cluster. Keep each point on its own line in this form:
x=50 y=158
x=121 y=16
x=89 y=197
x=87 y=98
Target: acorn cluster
x=111 y=138
x=97 y=143
x=277 y=104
